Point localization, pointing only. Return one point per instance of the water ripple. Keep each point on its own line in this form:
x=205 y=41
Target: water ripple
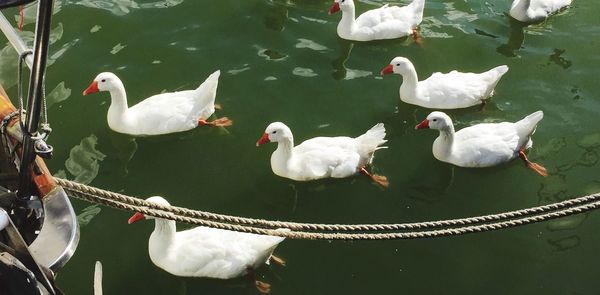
x=306 y=43
x=304 y=72
x=117 y=48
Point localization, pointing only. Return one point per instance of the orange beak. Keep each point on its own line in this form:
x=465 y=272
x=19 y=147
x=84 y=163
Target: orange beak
x=334 y=8
x=93 y=88
x=136 y=217
x=263 y=139
x=423 y=125
x=387 y=70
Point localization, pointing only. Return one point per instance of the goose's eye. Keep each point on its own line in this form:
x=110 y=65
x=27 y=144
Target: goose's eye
x=343 y=1
x=398 y=64
x=274 y=132
x=103 y=80
x=434 y=120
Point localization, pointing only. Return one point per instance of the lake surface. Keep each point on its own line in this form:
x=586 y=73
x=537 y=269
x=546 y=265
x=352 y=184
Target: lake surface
x=283 y=61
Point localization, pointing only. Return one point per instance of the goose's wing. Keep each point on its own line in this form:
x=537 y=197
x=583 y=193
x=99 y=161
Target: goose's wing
x=548 y=6
x=319 y=157
x=166 y=111
x=487 y=144
x=453 y=84
x=164 y=105
x=221 y=253
x=384 y=14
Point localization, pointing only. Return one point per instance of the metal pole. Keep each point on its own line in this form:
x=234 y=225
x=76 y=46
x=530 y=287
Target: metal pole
x=38 y=71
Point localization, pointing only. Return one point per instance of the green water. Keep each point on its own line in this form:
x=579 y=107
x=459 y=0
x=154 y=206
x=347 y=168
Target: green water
x=283 y=61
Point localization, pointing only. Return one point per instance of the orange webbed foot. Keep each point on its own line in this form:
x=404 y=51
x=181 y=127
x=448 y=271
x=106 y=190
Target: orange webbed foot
x=537 y=168
x=263 y=287
x=277 y=260
x=417 y=37
x=379 y=179
x=220 y=122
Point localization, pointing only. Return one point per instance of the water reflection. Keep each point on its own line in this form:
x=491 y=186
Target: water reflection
x=244 y=68
x=59 y=94
x=340 y=71
x=567 y=223
x=515 y=39
x=559 y=60
x=304 y=72
x=565 y=243
x=275 y=18
x=30 y=13
x=123 y=7
x=9 y=56
x=306 y=43
x=95 y=29
x=453 y=18
x=555 y=188
x=87 y=214
x=118 y=48
x=126 y=147
x=83 y=161
x=339 y=64
x=432 y=188
x=270 y=54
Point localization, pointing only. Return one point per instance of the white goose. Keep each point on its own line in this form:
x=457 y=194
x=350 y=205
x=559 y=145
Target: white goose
x=529 y=11
x=444 y=91
x=207 y=252
x=386 y=22
x=483 y=145
x=323 y=157
x=162 y=113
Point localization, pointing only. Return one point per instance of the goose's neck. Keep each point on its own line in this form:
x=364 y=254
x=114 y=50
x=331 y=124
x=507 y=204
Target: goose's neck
x=347 y=23
x=281 y=157
x=408 y=89
x=285 y=147
x=118 y=100
x=444 y=143
x=162 y=236
x=164 y=228
x=161 y=240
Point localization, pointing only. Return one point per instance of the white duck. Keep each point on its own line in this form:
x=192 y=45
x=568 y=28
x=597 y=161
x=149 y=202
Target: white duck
x=483 y=145
x=529 y=11
x=162 y=113
x=207 y=252
x=323 y=157
x=386 y=22
x=444 y=91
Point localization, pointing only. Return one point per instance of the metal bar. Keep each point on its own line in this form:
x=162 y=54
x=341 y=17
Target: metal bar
x=40 y=54
x=14 y=39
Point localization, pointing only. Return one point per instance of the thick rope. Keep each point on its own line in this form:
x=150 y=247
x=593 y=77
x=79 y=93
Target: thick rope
x=100 y=196
x=347 y=236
